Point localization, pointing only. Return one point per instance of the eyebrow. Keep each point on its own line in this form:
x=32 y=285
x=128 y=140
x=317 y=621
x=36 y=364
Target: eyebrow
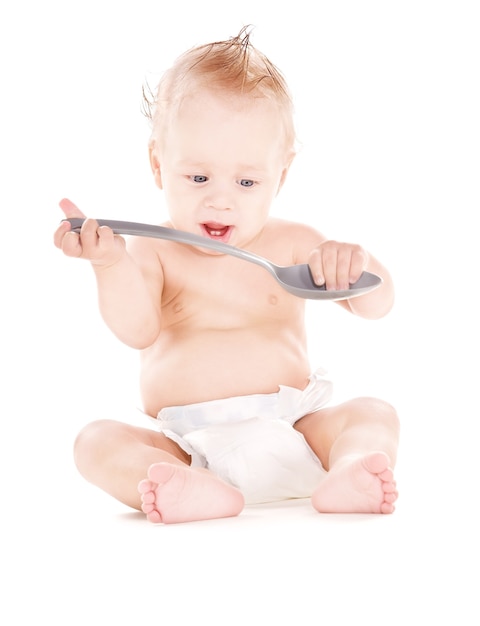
x=204 y=165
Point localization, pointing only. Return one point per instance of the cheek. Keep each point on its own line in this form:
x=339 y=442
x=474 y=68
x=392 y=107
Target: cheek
x=173 y=188
x=260 y=210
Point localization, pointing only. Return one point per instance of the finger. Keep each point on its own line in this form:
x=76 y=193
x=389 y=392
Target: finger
x=71 y=245
x=316 y=269
x=344 y=258
x=108 y=240
x=329 y=262
x=89 y=236
x=60 y=233
x=357 y=264
x=105 y=237
x=70 y=209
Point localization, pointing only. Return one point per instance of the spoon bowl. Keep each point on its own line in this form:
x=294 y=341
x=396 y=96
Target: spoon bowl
x=296 y=279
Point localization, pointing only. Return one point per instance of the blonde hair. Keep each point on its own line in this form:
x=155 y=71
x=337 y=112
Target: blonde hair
x=234 y=67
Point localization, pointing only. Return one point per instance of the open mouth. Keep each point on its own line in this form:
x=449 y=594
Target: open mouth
x=220 y=232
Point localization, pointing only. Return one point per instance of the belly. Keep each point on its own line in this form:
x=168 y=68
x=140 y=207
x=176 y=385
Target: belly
x=187 y=368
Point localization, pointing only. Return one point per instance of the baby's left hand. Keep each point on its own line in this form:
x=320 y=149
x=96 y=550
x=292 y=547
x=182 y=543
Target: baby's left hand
x=336 y=264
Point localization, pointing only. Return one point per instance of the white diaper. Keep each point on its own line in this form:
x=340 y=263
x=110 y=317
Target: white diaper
x=250 y=442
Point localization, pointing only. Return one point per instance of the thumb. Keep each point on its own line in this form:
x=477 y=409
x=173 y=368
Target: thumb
x=70 y=209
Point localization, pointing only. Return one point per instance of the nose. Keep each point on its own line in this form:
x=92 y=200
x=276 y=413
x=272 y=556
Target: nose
x=218 y=197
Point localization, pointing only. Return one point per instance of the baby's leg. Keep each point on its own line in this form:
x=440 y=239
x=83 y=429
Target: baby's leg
x=116 y=457
x=357 y=443
x=181 y=494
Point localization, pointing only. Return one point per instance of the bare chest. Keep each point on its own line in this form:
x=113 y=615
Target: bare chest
x=225 y=292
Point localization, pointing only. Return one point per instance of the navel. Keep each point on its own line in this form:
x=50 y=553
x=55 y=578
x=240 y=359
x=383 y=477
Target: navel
x=177 y=307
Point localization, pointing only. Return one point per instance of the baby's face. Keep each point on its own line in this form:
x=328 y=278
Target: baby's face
x=221 y=163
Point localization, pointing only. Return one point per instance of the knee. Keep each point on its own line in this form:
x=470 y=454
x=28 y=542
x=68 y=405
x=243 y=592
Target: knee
x=89 y=445
x=377 y=410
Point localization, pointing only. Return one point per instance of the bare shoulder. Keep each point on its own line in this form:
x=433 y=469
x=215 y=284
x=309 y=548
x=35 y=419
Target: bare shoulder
x=297 y=237
x=140 y=246
x=146 y=254
x=281 y=226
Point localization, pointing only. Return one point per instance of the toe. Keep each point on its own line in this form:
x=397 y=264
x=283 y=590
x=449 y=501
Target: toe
x=377 y=463
x=386 y=475
x=144 y=486
x=147 y=507
x=148 y=497
x=387 y=508
x=160 y=473
x=389 y=487
x=154 y=517
x=391 y=497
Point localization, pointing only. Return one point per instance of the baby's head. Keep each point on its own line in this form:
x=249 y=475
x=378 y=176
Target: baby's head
x=234 y=69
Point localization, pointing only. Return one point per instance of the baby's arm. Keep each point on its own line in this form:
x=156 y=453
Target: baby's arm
x=129 y=302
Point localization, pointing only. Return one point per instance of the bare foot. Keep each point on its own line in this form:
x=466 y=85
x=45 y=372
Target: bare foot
x=362 y=484
x=173 y=493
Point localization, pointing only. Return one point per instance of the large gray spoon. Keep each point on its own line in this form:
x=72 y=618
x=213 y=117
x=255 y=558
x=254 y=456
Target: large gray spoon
x=296 y=279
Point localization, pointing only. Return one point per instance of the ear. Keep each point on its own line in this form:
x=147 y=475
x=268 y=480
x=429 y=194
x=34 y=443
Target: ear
x=283 y=176
x=155 y=164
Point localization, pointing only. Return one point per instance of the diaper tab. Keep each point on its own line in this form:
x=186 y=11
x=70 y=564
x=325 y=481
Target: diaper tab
x=294 y=403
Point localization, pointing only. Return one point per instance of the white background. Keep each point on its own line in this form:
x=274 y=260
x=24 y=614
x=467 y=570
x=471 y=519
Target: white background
x=387 y=100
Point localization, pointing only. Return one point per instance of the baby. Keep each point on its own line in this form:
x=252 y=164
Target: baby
x=240 y=416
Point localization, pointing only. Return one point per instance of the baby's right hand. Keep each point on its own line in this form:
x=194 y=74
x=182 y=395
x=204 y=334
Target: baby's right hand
x=95 y=243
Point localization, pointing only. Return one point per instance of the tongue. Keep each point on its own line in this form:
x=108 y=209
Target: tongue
x=216 y=230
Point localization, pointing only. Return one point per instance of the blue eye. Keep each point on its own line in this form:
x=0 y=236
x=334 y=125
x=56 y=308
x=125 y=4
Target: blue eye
x=199 y=178
x=246 y=182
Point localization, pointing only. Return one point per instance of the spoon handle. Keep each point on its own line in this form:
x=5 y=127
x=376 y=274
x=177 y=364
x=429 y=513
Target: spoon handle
x=171 y=234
